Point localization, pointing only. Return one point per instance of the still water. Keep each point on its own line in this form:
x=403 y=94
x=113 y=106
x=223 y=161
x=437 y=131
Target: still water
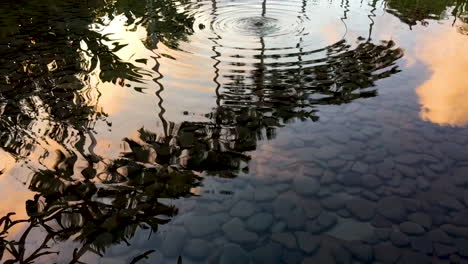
x=246 y=131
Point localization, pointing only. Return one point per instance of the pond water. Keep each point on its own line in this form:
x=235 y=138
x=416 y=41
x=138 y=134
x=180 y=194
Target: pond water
x=246 y=131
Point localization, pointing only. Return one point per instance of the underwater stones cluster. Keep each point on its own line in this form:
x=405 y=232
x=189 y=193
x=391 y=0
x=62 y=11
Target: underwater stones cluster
x=386 y=189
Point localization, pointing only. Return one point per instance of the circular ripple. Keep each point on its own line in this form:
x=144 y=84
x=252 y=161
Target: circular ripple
x=237 y=36
x=256 y=26
x=268 y=52
x=261 y=26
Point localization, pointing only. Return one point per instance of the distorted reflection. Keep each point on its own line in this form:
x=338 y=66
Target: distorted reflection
x=106 y=206
x=66 y=75
x=111 y=109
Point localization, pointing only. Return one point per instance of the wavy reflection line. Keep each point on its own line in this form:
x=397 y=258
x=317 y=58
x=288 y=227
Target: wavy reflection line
x=157 y=79
x=260 y=77
x=372 y=22
x=217 y=54
x=345 y=17
x=301 y=50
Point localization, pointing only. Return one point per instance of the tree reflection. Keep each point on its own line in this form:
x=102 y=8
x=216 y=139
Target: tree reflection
x=102 y=208
x=249 y=111
x=48 y=53
x=412 y=12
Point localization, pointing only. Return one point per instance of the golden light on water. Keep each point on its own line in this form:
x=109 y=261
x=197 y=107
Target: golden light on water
x=443 y=97
x=14 y=195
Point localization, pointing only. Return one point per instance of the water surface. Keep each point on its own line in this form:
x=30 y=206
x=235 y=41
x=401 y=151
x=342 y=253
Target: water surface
x=241 y=131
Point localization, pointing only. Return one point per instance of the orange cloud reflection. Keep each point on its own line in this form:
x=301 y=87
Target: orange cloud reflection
x=14 y=194
x=444 y=95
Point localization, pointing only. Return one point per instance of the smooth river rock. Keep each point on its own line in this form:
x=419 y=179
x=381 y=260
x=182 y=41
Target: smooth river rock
x=242 y=209
x=411 y=228
x=284 y=204
x=307 y=242
x=259 y=222
x=233 y=254
x=288 y=240
x=462 y=246
x=362 y=209
x=311 y=208
x=442 y=250
x=199 y=226
x=306 y=186
x=198 y=248
x=386 y=254
x=361 y=251
x=174 y=242
x=370 y=181
x=270 y=253
x=324 y=222
x=439 y=236
x=422 y=219
x=334 y=202
x=236 y=232
x=422 y=244
x=392 y=208
x=399 y=239
x=265 y=194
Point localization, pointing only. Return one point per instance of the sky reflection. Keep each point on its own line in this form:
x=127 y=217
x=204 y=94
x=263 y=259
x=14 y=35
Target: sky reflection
x=443 y=96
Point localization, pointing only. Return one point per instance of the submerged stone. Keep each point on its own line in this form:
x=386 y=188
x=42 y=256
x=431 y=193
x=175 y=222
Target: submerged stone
x=442 y=250
x=392 y=208
x=439 y=236
x=410 y=257
x=399 y=239
x=312 y=208
x=462 y=246
x=198 y=248
x=270 y=253
x=174 y=242
x=422 y=244
x=306 y=186
x=296 y=219
x=242 y=209
x=334 y=202
x=286 y=239
x=362 y=209
x=236 y=232
x=308 y=242
x=285 y=204
x=293 y=256
x=411 y=228
x=199 y=226
x=422 y=219
x=360 y=251
x=259 y=222
x=265 y=194
x=386 y=254
x=371 y=181
x=233 y=254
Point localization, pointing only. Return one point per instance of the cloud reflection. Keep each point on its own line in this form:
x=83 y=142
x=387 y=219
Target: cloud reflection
x=443 y=96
